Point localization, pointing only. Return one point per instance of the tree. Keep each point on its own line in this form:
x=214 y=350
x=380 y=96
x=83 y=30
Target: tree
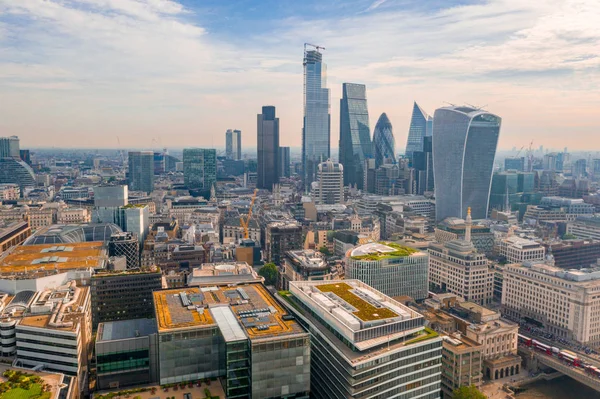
x=269 y=272
x=325 y=251
x=569 y=236
x=468 y=392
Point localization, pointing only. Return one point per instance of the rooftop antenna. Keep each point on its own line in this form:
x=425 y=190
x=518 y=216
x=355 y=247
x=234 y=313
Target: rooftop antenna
x=446 y=102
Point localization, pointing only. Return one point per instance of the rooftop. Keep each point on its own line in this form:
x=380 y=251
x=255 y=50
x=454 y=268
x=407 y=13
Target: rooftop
x=71 y=299
x=124 y=329
x=32 y=259
x=255 y=310
x=522 y=243
x=382 y=250
x=223 y=273
x=307 y=258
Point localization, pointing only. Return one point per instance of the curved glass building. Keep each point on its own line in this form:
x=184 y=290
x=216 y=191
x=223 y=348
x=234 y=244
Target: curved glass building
x=355 y=134
x=384 y=144
x=420 y=126
x=464 y=147
x=13 y=170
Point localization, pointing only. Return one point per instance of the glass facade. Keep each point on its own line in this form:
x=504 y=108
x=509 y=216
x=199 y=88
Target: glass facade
x=141 y=171
x=9 y=147
x=233 y=144
x=420 y=127
x=464 y=147
x=268 y=148
x=355 y=134
x=13 y=170
x=237 y=377
x=384 y=144
x=316 y=130
x=199 y=168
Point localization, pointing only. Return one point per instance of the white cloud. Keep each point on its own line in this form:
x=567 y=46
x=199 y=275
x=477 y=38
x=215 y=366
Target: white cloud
x=145 y=68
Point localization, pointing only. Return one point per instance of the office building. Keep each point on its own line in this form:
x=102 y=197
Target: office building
x=422 y=162
x=226 y=273
x=421 y=126
x=365 y=344
x=462 y=362
x=126 y=353
x=579 y=168
x=355 y=134
x=199 y=168
x=10 y=192
x=305 y=265
x=268 y=148
x=390 y=268
x=233 y=144
x=281 y=237
x=316 y=130
x=482 y=237
x=110 y=196
x=514 y=163
x=9 y=147
x=141 y=171
x=284 y=162
x=55 y=332
x=329 y=186
x=208 y=332
x=464 y=147
x=25 y=156
x=585 y=228
x=15 y=171
x=127 y=245
x=564 y=301
x=384 y=144
x=13 y=233
x=123 y=295
x=574 y=254
x=518 y=250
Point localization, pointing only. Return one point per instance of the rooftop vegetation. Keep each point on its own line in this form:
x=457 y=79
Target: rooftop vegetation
x=400 y=250
x=365 y=311
x=424 y=335
x=20 y=385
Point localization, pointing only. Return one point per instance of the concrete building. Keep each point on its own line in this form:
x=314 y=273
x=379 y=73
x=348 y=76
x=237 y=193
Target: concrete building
x=141 y=171
x=126 y=353
x=10 y=192
x=305 y=265
x=9 y=147
x=329 y=186
x=450 y=229
x=281 y=237
x=364 y=343
x=225 y=273
x=123 y=295
x=585 y=228
x=73 y=215
x=518 y=250
x=574 y=254
x=462 y=362
x=110 y=196
x=566 y=302
x=390 y=268
x=12 y=234
x=233 y=144
x=208 y=332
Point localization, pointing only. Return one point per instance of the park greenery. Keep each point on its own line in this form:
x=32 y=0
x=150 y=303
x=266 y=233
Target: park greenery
x=20 y=385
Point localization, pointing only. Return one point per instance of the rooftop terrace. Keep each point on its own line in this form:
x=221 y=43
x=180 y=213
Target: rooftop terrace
x=381 y=250
x=254 y=309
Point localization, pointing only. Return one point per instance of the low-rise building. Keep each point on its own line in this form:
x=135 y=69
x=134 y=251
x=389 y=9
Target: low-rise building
x=517 y=250
x=10 y=192
x=574 y=254
x=223 y=274
x=73 y=215
x=462 y=362
x=585 y=228
x=13 y=233
x=303 y=265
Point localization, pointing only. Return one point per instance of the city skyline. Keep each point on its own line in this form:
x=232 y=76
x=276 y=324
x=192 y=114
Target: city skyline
x=94 y=71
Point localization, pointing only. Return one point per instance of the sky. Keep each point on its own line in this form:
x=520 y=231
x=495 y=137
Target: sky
x=160 y=73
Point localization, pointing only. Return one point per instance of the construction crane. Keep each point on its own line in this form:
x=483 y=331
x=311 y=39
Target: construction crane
x=245 y=219
x=530 y=157
x=519 y=152
x=313 y=45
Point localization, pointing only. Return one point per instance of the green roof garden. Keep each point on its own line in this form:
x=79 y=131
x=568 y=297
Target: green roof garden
x=382 y=250
x=365 y=311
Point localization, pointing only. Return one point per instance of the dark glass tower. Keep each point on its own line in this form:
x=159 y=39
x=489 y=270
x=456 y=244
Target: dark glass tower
x=355 y=134
x=420 y=127
x=316 y=130
x=268 y=148
x=384 y=144
x=464 y=146
x=141 y=171
x=199 y=168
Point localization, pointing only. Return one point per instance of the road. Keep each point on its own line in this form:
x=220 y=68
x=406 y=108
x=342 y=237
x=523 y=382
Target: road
x=587 y=358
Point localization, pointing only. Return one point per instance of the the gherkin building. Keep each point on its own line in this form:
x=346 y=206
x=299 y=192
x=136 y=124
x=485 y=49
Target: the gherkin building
x=384 y=144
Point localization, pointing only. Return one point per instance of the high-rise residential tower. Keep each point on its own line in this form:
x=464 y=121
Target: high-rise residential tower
x=329 y=187
x=384 y=144
x=317 y=129
x=9 y=147
x=199 y=168
x=267 y=134
x=421 y=126
x=141 y=171
x=355 y=134
x=233 y=144
x=464 y=146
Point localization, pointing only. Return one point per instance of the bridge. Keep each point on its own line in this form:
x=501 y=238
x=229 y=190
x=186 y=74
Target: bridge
x=555 y=363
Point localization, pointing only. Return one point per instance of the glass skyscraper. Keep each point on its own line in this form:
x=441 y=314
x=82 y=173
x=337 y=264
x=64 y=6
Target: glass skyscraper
x=384 y=144
x=420 y=126
x=316 y=130
x=199 y=168
x=9 y=147
x=355 y=134
x=233 y=144
x=141 y=171
x=267 y=134
x=464 y=146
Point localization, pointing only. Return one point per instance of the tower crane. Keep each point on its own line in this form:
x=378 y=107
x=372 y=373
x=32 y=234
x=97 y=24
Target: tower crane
x=313 y=45
x=245 y=219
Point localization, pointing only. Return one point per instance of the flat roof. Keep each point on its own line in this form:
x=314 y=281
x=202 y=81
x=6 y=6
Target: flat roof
x=382 y=249
x=43 y=320
x=257 y=313
x=125 y=329
x=76 y=255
